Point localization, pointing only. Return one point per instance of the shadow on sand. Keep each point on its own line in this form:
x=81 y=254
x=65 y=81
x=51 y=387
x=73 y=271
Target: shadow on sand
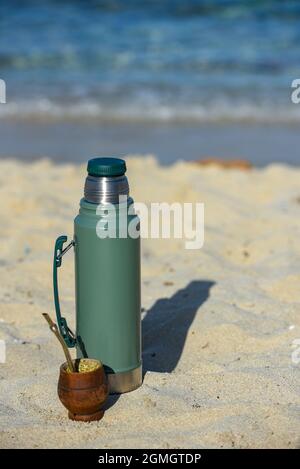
x=165 y=327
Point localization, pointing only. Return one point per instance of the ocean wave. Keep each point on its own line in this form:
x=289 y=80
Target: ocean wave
x=222 y=111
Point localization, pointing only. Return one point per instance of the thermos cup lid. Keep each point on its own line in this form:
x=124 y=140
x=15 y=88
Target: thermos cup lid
x=106 y=167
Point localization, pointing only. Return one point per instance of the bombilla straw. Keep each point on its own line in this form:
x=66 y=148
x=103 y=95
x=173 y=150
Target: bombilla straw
x=53 y=327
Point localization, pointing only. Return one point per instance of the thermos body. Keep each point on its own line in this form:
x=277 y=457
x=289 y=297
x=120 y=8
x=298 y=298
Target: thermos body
x=107 y=276
x=108 y=298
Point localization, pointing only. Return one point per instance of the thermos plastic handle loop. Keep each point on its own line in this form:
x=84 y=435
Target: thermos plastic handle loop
x=67 y=334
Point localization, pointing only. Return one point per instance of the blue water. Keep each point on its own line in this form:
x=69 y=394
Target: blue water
x=142 y=60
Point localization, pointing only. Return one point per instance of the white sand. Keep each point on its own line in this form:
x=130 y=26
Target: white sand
x=226 y=380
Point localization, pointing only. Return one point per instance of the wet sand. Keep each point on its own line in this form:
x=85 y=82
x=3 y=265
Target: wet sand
x=72 y=141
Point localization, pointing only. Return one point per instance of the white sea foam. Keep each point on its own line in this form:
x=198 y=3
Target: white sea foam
x=218 y=111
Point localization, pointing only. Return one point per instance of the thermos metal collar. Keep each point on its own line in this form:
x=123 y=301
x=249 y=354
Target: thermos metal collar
x=101 y=190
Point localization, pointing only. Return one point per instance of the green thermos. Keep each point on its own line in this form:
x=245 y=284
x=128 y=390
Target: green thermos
x=107 y=276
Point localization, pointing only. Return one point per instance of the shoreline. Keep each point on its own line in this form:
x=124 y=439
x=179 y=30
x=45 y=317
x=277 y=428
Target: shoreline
x=73 y=142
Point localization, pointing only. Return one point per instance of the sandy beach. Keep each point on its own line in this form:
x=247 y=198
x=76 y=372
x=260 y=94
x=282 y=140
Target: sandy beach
x=218 y=323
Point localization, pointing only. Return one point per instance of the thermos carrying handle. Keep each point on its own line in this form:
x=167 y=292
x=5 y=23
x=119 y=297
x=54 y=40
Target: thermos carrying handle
x=59 y=251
